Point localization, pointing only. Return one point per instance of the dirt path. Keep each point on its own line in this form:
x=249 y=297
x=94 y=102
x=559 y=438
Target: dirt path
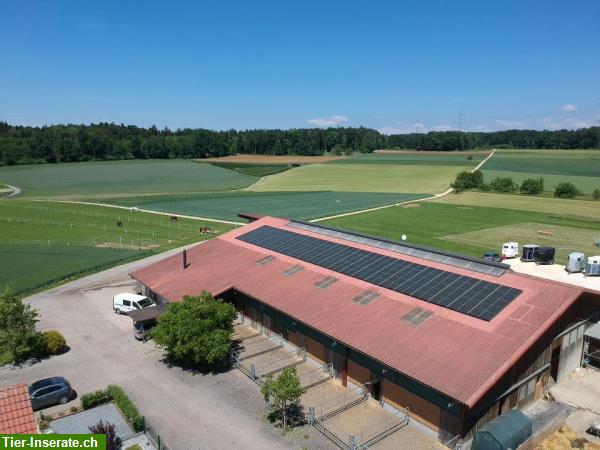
x=441 y=194
x=129 y=208
x=15 y=191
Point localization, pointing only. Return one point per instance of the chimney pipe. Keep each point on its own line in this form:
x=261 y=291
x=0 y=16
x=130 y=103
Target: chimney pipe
x=185 y=263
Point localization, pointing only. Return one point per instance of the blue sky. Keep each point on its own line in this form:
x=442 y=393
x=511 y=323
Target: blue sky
x=395 y=66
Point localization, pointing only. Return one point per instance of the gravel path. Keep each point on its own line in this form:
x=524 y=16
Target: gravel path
x=81 y=422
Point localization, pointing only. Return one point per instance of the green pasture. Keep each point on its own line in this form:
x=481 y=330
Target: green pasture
x=27 y=267
x=582 y=168
x=303 y=205
x=421 y=158
x=121 y=178
x=450 y=227
x=255 y=170
x=564 y=208
x=363 y=178
x=45 y=242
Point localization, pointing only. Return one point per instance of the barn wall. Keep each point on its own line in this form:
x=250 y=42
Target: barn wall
x=420 y=409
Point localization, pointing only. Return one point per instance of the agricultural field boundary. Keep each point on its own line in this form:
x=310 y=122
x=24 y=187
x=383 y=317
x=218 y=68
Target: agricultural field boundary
x=129 y=208
x=433 y=197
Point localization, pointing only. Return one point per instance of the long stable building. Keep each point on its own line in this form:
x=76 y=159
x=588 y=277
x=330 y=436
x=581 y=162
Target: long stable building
x=456 y=339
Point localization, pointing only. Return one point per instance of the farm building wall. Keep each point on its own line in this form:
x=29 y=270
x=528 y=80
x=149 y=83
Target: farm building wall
x=527 y=379
x=395 y=389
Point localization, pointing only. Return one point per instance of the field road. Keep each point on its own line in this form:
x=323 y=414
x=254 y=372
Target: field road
x=433 y=197
x=15 y=191
x=189 y=411
x=129 y=208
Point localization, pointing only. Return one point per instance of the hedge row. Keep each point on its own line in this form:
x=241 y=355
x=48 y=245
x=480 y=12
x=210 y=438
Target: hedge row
x=116 y=395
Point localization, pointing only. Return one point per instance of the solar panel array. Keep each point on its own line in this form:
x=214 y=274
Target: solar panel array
x=468 y=295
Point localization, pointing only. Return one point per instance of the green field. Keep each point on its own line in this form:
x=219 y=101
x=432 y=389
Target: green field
x=420 y=158
x=579 y=209
x=43 y=242
x=398 y=178
x=301 y=205
x=255 y=170
x=121 y=178
x=582 y=168
x=471 y=230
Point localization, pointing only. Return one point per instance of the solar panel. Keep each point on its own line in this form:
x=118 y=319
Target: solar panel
x=471 y=296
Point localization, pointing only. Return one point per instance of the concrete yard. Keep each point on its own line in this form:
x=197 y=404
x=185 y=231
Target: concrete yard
x=554 y=272
x=189 y=410
x=581 y=388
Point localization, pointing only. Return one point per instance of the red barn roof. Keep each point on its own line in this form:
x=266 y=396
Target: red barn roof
x=16 y=414
x=456 y=354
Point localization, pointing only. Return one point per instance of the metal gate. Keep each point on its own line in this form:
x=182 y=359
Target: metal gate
x=571 y=349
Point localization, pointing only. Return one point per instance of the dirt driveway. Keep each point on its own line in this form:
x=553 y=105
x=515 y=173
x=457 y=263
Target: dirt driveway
x=189 y=411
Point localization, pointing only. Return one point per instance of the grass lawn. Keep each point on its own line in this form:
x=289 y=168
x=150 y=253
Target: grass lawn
x=300 y=205
x=459 y=228
x=364 y=178
x=121 y=178
x=584 y=209
x=42 y=243
x=582 y=168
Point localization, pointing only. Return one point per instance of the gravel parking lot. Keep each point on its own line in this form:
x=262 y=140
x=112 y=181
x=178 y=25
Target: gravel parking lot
x=190 y=411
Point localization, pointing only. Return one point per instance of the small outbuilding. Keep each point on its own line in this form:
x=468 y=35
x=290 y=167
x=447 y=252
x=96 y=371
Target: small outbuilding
x=575 y=262
x=530 y=252
x=545 y=255
x=592 y=267
x=505 y=432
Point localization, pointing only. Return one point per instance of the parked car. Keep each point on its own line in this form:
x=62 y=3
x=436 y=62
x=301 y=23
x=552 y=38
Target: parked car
x=141 y=329
x=492 y=256
x=126 y=302
x=49 y=392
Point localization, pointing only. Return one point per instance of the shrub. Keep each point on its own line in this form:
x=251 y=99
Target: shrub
x=19 y=339
x=54 y=342
x=120 y=398
x=565 y=190
x=596 y=194
x=532 y=186
x=113 y=442
x=503 y=184
x=95 y=398
x=485 y=187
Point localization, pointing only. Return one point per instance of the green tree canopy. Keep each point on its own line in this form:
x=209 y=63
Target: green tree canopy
x=283 y=391
x=196 y=331
x=532 y=186
x=18 y=336
x=566 y=190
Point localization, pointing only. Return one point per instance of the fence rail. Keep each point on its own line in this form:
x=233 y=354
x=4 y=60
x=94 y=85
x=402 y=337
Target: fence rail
x=153 y=435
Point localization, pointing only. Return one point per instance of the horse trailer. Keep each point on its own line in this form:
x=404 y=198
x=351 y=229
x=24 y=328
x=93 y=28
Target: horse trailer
x=530 y=252
x=592 y=268
x=545 y=255
x=575 y=262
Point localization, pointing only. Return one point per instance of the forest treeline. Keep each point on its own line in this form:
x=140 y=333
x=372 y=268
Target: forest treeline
x=108 y=141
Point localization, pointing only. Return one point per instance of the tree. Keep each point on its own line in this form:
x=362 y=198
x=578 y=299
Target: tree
x=532 y=186
x=113 y=442
x=283 y=392
x=18 y=336
x=503 y=184
x=196 y=331
x=565 y=190
x=468 y=180
x=596 y=194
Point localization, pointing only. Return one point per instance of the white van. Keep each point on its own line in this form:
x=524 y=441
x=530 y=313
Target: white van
x=510 y=250
x=126 y=302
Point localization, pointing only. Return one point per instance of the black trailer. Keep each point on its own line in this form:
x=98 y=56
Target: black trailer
x=545 y=255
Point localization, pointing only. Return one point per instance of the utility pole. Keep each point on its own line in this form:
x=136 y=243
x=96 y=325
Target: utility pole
x=460 y=121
